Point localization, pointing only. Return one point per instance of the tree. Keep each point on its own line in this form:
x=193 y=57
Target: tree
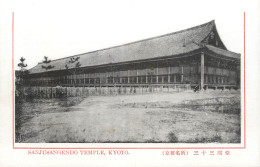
x=46 y=62
x=21 y=74
x=22 y=65
x=20 y=79
x=73 y=64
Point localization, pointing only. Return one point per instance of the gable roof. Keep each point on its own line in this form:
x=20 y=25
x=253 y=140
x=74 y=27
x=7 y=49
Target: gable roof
x=165 y=45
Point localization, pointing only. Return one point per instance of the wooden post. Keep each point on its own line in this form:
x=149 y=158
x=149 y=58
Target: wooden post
x=157 y=74
x=137 y=76
x=182 y=74
x=106 y=76
x=84 y=79
x=169 y=77
x=202 y=71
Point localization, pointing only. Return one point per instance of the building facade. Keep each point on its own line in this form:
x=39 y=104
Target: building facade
x=196 y=57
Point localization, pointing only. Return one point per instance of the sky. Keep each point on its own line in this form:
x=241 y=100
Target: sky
x=58 y=29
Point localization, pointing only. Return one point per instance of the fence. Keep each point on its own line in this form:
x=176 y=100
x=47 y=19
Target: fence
x=56 y=92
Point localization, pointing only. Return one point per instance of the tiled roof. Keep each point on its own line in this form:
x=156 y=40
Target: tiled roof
x=223 y=52
x=156 y=47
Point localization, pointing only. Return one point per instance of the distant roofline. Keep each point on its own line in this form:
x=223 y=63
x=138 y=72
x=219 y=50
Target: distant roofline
x=176 y=32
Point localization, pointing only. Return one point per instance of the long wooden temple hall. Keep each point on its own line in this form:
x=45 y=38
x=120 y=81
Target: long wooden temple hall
x=194 y=57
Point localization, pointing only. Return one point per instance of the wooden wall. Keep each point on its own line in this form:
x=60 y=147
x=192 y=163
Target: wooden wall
x=175 y=71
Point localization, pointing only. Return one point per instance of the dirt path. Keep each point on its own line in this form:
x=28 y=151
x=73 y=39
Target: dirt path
x=132 y=118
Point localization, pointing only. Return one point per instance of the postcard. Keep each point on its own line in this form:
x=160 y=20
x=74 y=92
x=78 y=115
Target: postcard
x=129 y=83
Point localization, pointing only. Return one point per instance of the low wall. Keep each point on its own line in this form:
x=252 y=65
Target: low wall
x=56 y=92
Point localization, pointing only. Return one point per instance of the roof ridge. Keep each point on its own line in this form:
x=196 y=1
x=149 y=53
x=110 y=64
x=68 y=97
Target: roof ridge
x=176 y=32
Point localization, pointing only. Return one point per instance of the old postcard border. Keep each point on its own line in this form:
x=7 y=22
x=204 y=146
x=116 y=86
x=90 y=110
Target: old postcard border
x=13 y=142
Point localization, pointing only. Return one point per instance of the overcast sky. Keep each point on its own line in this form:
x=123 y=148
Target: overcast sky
x=60 y=29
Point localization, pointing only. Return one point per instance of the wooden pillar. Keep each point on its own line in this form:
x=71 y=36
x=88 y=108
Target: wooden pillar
x=169 y=76
x=106 y=76
x=202 y=71
x=137 y=76
x=181 y=74
x=157 y=80
x=76 y=78
x=128 y=78
x=84 y=79
x=113 y=74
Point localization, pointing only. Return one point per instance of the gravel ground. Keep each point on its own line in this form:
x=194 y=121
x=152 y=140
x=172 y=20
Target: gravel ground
x=186 y=117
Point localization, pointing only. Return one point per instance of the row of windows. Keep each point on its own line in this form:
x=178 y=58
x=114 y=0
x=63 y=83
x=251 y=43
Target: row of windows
x=161 y=71
x=117 y=80
x=216 y=79
x=145 y=79
x=139 y=80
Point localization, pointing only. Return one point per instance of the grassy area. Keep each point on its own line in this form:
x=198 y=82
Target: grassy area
x=185 y=117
